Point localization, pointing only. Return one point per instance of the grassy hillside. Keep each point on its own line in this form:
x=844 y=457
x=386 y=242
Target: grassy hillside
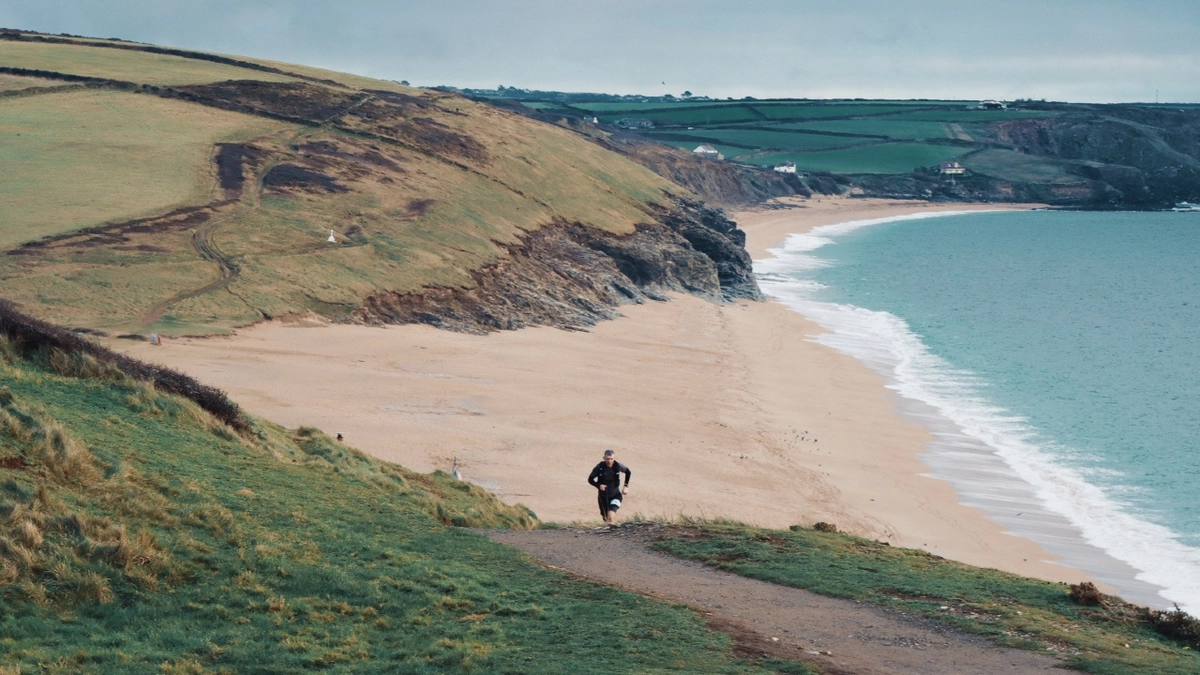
x=179 y=192
x=139 y=534
x=1088 y=631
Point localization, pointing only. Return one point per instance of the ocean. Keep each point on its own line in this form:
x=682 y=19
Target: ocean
x=1054 y=355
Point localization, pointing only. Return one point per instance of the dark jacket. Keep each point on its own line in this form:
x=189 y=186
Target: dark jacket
x=609 y=476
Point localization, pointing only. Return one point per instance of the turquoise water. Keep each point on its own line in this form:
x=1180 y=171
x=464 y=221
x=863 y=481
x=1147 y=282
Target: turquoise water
x=1066 y=344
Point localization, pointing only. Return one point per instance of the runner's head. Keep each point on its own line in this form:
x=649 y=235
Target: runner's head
x=609 y=457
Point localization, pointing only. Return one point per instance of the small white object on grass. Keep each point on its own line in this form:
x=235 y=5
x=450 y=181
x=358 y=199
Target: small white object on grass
x=332 y=239
x=454 y=469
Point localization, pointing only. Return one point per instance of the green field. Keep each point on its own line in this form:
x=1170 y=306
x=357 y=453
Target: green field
x=121 y=64
x=881 y=158
x=840 y=136
x=637 y=108
x=877 y=126
x=970 y=116
x=691 y=115
x=79 y=158
x=764 y=139
x=1015 y=166
x=783 y=111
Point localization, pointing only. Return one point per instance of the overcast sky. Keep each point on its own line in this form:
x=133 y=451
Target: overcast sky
x=1071 y=50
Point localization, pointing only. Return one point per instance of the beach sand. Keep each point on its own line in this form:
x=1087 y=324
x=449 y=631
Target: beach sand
x=721 y=411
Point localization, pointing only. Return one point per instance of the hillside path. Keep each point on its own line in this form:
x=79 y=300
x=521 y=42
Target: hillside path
x=838 y=636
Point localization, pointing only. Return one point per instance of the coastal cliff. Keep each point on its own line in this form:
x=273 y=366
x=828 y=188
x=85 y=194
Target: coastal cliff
x=571 y=276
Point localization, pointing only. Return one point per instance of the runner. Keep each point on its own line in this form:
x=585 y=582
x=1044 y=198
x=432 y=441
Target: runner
x=606 y=478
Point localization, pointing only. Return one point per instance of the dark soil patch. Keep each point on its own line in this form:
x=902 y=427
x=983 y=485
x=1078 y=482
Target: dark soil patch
x=386 y=106
x=118 y=233
x=418 y=207
x=436 y=138
x=13 y=463
x=231 y=161
x=293 y=101
x=370 y=155
x=283 y=176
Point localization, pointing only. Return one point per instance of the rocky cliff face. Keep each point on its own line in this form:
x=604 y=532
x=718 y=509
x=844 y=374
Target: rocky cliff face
x=1133 y=157
x=571 y=276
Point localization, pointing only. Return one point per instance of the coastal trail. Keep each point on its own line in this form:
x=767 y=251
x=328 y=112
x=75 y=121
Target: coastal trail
x=840 y=637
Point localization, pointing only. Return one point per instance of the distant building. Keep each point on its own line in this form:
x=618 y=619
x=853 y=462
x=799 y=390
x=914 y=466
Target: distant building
x=786 y=167
x=708 y=151
x=951 y=169
x=634 y=123
x=991 y=105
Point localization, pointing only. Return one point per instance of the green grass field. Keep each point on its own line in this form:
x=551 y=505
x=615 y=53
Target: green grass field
x=764 y=139
x=872 y=136
x=79 y=158
x=1015 y=166
x=690 y=115
x=800 y=111
x=1013 y=611
x=881 y=158
x=139 y=535
x=877 y=126
x=124 y=65
x=965 y=116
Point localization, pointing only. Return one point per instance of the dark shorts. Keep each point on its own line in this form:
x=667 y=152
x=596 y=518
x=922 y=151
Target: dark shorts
x=606 y=499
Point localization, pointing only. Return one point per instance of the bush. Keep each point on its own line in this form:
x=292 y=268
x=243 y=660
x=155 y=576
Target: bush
x=71 y=354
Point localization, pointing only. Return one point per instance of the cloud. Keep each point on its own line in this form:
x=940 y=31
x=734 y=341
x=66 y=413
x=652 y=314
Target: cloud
x=1100 y=50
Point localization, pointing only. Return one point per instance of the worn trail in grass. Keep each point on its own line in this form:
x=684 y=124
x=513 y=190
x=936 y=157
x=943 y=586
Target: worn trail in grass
x=835 y=635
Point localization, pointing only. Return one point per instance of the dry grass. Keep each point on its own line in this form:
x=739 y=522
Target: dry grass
x=80 y=158
x=51 y=552
x=124 y=65
x=459 y=183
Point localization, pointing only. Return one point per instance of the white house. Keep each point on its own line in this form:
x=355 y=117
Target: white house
x=786 y=167
x=991 y=104
x=634 y=123
x=951 y=169
x=708 y=151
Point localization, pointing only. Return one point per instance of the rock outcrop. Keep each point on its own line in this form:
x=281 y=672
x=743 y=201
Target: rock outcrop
x=571 y=276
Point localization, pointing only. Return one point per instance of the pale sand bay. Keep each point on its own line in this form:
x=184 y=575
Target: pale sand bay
x=721 y=411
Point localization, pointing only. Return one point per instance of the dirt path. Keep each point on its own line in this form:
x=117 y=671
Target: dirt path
x=838 y=636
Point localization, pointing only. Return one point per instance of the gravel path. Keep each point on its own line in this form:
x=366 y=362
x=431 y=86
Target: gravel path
x=839 y=636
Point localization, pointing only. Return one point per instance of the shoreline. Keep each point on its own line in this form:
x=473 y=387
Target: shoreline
x=981 y=478
x=722 y=411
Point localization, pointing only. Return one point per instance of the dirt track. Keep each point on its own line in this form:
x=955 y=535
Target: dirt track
x=838 y=636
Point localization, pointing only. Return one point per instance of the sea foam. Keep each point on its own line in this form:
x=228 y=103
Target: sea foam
x=996 y=460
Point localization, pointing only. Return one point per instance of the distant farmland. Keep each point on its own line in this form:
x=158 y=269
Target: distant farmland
x=842 y=136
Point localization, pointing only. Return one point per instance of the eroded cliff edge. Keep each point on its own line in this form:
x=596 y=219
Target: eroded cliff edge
x=570 y=275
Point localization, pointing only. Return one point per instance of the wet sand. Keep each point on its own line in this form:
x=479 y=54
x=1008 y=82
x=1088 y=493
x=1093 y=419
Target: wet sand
x=721 y=411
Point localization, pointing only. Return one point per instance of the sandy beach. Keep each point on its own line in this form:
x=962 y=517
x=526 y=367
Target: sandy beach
x=726 y=411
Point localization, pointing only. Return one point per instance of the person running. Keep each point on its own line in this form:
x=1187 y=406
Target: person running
x=606 y=478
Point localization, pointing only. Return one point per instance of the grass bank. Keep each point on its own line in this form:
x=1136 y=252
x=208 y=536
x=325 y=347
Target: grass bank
x=1090 y=632
x=139 y=534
